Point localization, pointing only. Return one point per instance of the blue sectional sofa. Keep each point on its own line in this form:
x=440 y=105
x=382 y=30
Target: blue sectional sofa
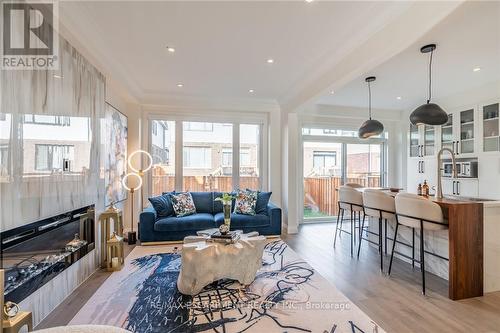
x=152 y=228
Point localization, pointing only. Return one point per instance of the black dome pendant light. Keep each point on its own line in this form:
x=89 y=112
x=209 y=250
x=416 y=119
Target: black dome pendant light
x=429 y=113
x=370 y=127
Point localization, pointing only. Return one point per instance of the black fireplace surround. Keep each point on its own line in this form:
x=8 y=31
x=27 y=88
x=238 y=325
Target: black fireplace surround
x=35 y=253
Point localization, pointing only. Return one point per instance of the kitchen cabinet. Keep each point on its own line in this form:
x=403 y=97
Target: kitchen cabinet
x=422 y=141
x=489 y=176
x=490 y=127
x=461 y=186
x=460 y=132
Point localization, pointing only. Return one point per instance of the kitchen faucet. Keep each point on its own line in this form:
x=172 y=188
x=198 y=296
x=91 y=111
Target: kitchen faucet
x=439 y=190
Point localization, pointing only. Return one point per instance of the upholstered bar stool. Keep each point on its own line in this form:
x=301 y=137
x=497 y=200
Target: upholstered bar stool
x=351 y=200
x=381 y=206
x=421 y=214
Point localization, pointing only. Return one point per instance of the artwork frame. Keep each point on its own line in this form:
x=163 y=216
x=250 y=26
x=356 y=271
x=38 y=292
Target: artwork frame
x=115 y=157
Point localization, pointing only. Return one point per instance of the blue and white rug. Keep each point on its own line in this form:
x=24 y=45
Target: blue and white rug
x=286 y=296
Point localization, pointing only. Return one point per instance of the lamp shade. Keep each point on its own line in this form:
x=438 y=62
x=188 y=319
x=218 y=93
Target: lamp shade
x=429 y=114
x=370 y=128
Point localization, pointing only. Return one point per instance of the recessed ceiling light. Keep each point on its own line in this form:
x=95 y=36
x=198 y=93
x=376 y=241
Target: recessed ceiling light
x=332 y=92
x=251 y=91
x=399 y=97
x=180 y=85
x=476 y=69
x=309 y=1
x=170 y=49
x=58 y=76
x=270 y=61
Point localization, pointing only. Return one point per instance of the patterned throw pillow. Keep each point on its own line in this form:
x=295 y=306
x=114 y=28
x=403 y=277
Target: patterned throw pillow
x=183 y=204
x=245 y=202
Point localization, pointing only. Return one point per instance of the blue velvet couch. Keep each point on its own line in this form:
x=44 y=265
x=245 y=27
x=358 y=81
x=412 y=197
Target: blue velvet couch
x=209 y=214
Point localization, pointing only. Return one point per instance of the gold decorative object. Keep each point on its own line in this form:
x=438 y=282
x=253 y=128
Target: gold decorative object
x=14 y=324
x=115 y=253
x=110 y=215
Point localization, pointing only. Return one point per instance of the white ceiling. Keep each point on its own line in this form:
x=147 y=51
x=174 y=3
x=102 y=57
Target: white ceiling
x=468 y=38
x=222 y=47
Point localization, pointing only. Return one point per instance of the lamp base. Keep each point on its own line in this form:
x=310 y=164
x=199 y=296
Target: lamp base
x=131 y=237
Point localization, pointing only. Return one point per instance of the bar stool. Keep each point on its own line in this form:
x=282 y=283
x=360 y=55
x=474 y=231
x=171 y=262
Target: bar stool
x=418 y=213
x=381 y=206
x=351 y=200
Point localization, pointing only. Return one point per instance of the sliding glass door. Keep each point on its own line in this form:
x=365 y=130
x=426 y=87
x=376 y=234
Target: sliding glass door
x=329 y=162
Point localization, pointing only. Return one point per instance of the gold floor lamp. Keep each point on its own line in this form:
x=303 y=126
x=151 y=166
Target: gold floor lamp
x=138 y=173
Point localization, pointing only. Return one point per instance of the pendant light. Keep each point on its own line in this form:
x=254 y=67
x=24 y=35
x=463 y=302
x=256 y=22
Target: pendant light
x=429 y=113
x=370 y=127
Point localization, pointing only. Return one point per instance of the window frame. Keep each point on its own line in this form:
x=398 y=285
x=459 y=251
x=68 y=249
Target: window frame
x=234 y=118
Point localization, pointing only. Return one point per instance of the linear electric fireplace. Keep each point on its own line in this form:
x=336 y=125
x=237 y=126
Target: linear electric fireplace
x=35 y=253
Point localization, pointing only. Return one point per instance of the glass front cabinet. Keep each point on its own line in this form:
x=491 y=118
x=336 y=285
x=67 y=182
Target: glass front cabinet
x=422 y=140
x=459 y=133
x=491 y=125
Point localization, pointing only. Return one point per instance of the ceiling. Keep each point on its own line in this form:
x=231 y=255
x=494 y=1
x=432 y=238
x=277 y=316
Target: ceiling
x=221 y=48
x=466 y=39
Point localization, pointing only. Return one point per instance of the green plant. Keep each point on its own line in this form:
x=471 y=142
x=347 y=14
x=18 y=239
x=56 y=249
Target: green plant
x=225 y=199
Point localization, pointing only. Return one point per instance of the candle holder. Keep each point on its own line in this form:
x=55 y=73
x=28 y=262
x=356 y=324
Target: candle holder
x=115 y=253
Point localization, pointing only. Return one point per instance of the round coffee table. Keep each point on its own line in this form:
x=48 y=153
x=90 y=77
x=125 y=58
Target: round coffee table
x=205 y=261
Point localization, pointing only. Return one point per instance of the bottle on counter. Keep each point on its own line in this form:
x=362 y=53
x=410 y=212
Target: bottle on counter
x=419 y=189
x=425 y=189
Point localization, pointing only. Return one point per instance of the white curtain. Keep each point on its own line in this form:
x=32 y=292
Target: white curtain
x=75 y=96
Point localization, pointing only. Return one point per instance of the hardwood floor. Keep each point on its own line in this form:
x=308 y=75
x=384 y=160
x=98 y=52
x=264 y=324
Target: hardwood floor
x=395 y=303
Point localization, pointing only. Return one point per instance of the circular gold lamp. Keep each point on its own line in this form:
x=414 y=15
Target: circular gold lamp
x=149 y=158
x=131 y=235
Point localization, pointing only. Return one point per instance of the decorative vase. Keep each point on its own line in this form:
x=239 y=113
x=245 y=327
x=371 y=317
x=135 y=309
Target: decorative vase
x=227 y=215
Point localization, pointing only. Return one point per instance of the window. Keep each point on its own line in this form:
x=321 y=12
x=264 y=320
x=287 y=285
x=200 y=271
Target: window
x=250 y=136
x=155 y=128
x=324 y=160
x=163 y=153
x=47 y=120
x=227 y=157
x=199 y=127
x=197 y=157
x=208 y=150
x=51 y=157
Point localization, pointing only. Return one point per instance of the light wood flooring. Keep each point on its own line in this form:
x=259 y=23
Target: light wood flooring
x=395 y=303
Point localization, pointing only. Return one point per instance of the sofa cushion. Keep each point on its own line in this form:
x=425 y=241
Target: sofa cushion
x=244 y=221
x=204 y=201
x=262 y=201
x=183 y=204
x=245 y=202
x=198 y=221
x=162 y=205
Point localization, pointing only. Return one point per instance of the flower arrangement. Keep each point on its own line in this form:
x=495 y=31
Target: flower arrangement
x=226 y=200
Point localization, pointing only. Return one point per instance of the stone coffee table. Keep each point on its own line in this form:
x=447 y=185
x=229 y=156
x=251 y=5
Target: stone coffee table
x=204 y=262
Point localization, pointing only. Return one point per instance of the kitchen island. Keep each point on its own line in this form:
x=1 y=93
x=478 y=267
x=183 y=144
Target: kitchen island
x=472 y=244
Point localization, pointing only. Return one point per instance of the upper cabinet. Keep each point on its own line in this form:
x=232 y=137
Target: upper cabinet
x=459 y=133
x=490 y=120
x=422 y=140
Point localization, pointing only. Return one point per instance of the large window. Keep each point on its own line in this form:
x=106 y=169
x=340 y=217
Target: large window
x=163 y=153
x=207 y=162
x=51 y=157
x=47 y=120
x=203 y=163
x=335 y=157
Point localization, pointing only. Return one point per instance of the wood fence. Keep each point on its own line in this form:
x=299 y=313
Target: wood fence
x=320 y=194
x=166 y=183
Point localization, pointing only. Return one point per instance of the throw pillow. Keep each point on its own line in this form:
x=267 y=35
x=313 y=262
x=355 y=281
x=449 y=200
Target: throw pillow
x=183 y=204
x=245 y=202
x=262 y=201
x=162 y=205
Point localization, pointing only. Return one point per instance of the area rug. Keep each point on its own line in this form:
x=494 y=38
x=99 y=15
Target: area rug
x=286 y=296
